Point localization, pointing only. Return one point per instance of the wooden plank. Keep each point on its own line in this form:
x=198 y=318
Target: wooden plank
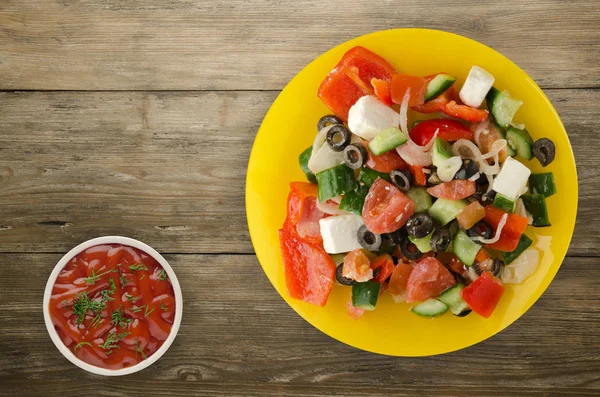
x=169 y=168
x=226 y=346
x=257 y=45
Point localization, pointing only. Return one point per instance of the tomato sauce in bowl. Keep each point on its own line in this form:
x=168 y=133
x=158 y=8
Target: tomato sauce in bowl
x=113 y=306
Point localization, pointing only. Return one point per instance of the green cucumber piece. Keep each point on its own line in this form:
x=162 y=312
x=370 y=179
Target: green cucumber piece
x=387 y=140
x=354 y=200
x=430 y=308
x=367 y=176
x=365 y=295
x=303 y=160
x=438 y=85
x=440 y=152
x=423 y=244
x=335 y=181
x=504 y=203
x=453 y=299
x=509 y=150
x=414 y=124
x=420 y=197
x=465 y=248
x=520 y=141
x=444 y=211
x=337 y=258
x=542 y=184
x=535 y=204
x=524 y=243
x=502 y=106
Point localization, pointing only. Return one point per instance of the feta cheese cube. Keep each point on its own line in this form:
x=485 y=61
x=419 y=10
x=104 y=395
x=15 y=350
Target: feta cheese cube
x=340 y=233
x=478 y=83
x=512 y=179
x=368 y=116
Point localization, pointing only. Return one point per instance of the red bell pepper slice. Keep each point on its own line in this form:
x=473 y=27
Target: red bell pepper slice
x=402 y=83
x=483 y=294
x=302 y=212
x=465 y=112
x=351 y=79
x=386 y=162
x=419 y=174
x=309 y=271
x=382 y=91
x=511 y=233
x=386 y=263
x=449 y=130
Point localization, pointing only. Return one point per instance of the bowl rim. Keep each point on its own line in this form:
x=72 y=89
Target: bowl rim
x=112 y=240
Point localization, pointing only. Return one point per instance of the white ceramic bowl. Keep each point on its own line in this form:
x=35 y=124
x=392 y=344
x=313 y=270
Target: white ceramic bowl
x=124 y=241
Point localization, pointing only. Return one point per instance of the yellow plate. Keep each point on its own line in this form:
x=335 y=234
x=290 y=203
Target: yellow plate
x=290 y=126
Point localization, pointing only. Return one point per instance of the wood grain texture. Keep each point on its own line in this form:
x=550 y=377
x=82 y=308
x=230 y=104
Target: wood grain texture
x=240 y=339
x=261 y=44
x=169 y=168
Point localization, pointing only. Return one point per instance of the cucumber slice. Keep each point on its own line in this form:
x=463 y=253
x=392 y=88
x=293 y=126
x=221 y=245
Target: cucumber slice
x=438 y=85
x=420 y=197
x=521 y=141
x=509 y=150
x=367 y=176
x=423 y=244
x=430 y=308
x=354 y=200
x=542 y=184
x=335 y=181
x=453 y=299
x=465 y=248
x=444 y=211
x=303 y=160
x=524 y=243
x=365 y=295
x=440 y=152
x=504 y=203
x=387 y=140
x=502 y=106
x=535 y=204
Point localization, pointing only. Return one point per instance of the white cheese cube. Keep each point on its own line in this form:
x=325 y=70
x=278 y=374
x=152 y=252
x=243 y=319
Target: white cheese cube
x=368 y=116
x=512 y=179
x=340 y=233
x=478 y=83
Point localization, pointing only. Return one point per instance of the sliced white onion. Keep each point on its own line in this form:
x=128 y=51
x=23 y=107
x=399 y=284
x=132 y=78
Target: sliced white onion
x=414 y=155
x=426 y=171
x=481 y=128
x=324 y=158
x=496 y=236
x=404 y=113
x=448 y=168
x=320 y=138
x=519 y=126
x=490 y=179
x=468 y=149
x=524 y=266
x=475 y=177
x=330 y=208
x=472 y=274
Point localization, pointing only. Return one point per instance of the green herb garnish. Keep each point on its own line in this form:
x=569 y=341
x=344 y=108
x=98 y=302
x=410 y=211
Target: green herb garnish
x=138 y=309
x=146 y=312
x=162 y=275
x=64 y=303
x=123 y=280
x=83 y=303
x=81 y=344
x=112 y=340
x=119 y=319
x=95 y=277
x=138 y=266
x=143 y=276
x=139 y=350
x=163 y=307
x=130 y=298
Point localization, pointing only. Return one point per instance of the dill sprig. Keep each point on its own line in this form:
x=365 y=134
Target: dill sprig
x=163 y=307
x=112 y=340
x=119 y=319
x=162 y=275
x=139 y=350
x=83 y=304
x=138 y=309
x=80 y=344
x=123 y=280
x=146 y=312
x=95 y=277
x=138 y=266
x=130 y=298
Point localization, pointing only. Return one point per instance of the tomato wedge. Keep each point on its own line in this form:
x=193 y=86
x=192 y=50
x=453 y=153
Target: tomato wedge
x=357 y=266
x=419 y=174
x=470 y=215
x=456 y=189
x=483 y=294
x=428 y=279
x=437 y=104
x=382 y=91
x=386 y=208
x=399 y=281
x=402 y=83
x=449 y=130
x=351 y=79
x=456 y=265
x=386 y=264
x=386 y=162
x=487 y=140
x=465 y=112
x=309 y=271
x=354 y=312
x=302 y=212
x=511 y=233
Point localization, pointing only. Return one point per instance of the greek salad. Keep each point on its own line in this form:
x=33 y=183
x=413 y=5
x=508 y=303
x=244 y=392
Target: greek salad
x=433 y=210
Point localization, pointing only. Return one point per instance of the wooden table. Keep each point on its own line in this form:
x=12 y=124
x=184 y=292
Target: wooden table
x=136 y=118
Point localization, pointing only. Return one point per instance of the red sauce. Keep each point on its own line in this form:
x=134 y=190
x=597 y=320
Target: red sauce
x=113 y=306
